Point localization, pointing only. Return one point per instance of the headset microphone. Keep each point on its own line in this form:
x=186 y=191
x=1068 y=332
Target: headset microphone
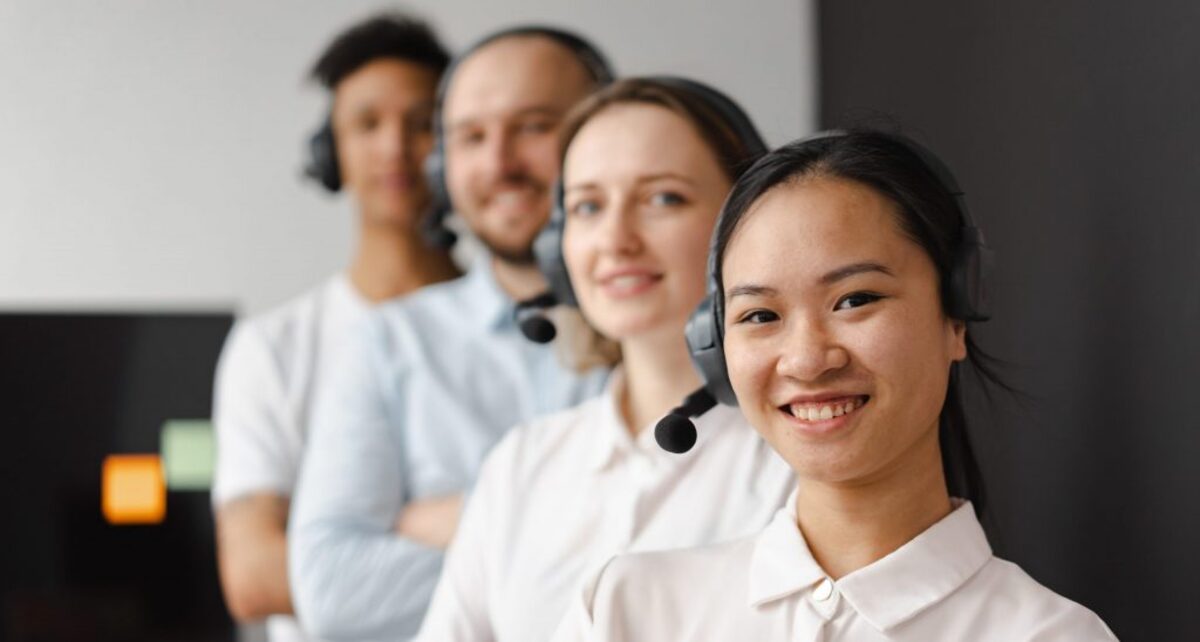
x=675 y=432
x=532 y=320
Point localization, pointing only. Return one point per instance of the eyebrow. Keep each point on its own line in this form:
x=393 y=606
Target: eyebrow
x=749 y=290
x=829 y=278
x=852 y=270
x=650 y=178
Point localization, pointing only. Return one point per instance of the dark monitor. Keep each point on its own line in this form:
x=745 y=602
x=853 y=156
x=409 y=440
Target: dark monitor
x=75 y=388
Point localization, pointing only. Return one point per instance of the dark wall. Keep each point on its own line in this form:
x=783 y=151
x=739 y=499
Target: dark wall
x=1074 y=128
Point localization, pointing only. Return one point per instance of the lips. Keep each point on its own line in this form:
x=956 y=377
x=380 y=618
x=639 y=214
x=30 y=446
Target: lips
x=626 y=283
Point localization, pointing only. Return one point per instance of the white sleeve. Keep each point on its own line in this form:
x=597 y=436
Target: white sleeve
x=351 y=575
x=252 y=425
x=460 y=611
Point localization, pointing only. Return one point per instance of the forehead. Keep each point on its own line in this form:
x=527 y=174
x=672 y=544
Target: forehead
x=631 y=139
x=386 y=81
x=515 y=73
x=798 y=231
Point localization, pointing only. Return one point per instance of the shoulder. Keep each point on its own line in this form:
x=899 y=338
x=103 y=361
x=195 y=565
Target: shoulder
x=282 y=328
x=434 y=311
x=556 y=440
x=449 y=299
x=1033 y=611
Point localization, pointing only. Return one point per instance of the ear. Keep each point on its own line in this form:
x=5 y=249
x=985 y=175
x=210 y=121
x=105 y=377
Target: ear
x=958 y=339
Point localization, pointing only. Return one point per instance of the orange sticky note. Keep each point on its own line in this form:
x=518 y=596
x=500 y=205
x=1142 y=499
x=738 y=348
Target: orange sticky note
x=133 y=489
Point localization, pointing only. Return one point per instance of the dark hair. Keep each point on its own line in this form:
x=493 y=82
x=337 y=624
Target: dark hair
x=390 y=35
x=927 y=212
x=734 y=153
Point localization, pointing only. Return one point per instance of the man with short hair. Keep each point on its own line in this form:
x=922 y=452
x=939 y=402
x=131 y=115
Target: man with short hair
x=440 y=376
x=382 y=75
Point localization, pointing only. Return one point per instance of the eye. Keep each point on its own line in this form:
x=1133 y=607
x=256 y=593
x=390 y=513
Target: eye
x=367 y=123
x=422 y=124
x=468 y=137
x=583 y=208
x=667 y=199
x=536 y=127
x=856 y=300
x=757 y=317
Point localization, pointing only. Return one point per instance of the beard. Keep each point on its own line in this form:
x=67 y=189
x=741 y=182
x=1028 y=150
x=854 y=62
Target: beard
x=517 y=253
x=521 y=256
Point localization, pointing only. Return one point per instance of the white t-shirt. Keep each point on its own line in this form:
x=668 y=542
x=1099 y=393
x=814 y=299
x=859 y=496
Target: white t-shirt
x=266 y=381
x=559 y=496
x=944 y=584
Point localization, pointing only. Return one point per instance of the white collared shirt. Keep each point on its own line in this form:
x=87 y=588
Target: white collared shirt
x=409 y=410
x=944 y=584
x=558 y=497
x=269 y=371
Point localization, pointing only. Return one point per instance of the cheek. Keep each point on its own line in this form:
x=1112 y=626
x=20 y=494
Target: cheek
x=578 y=254
x=540 y=156
x=749 y=372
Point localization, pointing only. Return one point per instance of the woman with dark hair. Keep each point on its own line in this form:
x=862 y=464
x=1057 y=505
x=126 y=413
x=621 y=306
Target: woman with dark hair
x=646 y=164
x=846 y=271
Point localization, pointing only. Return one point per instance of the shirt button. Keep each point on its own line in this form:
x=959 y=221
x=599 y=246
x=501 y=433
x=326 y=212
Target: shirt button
x=824 y=590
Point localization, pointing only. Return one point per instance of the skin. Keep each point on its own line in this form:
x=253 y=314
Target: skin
x=801 y=326
x=642 y=191
x=501 y=117
x=502 y=112
x=381 y=120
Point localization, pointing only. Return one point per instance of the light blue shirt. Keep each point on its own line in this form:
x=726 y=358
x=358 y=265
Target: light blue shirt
x=415 y=402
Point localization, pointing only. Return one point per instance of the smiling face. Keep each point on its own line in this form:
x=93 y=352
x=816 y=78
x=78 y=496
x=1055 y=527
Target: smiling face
x=382 y=128
x=642 y=192
x=501 y=117
x=837 y=345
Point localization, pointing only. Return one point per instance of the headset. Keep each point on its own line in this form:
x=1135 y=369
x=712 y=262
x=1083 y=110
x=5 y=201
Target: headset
x=322 y=164
x=547 y=248
x=966 y=291
x=434 y=224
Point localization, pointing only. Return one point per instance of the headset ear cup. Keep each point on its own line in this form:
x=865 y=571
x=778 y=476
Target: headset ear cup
x=548 y=251
x=433 y=227
x=704 y=343
x=322 y=164
x=970 y=277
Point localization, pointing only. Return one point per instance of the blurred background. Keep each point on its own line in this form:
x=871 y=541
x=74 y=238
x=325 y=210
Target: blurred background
x=150 y=189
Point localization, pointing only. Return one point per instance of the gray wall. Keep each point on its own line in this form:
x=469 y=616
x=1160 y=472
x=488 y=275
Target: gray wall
x=1072 y=127
x=150 y=149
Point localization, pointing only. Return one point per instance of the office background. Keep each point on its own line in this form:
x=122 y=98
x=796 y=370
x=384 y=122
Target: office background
x=152 y=148
x=150 y=155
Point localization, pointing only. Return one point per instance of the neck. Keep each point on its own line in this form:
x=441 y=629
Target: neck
x=658 y=374
x=390 y=262
x=519 y=281
x=849 y=526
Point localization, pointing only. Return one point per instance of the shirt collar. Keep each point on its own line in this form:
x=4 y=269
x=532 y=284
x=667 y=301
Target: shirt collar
x=490 y=305
x=612 y=438
x=608 y=432
x=888 y=592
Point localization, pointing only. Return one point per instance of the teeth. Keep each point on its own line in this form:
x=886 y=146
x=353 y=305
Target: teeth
x=821 y=413
x=627 y=281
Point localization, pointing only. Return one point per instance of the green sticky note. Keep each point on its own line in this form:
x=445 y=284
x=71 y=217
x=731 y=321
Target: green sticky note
x=188 y=453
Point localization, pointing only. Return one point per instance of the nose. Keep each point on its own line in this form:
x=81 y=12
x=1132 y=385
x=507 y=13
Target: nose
x=500 y=155
x=810 y=352
x=395 y=141
x=620 y=232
